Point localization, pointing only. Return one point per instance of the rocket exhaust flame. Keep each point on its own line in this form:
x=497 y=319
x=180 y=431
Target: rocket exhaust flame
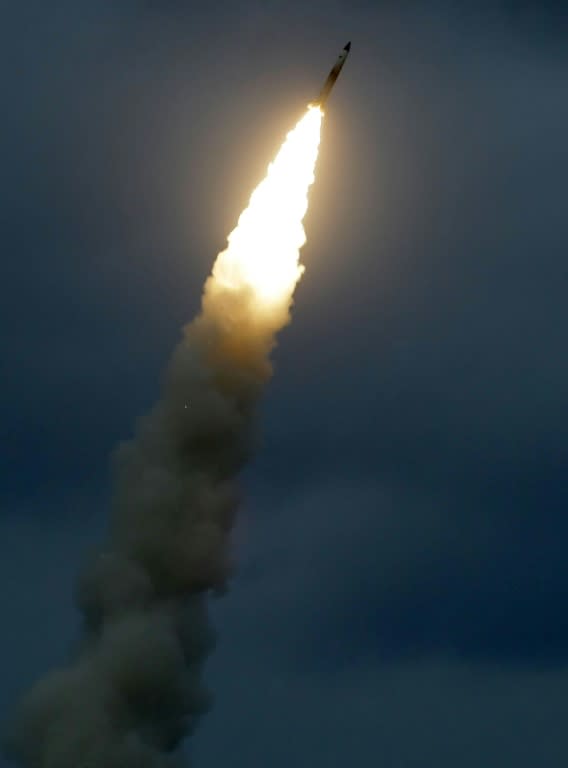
x=133 y=690
x=263 y=250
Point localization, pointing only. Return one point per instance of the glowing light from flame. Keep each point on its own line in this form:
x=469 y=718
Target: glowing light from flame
x=264 y=248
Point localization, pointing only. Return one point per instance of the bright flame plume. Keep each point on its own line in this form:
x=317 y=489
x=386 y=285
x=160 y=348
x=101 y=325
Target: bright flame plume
x=264 y=248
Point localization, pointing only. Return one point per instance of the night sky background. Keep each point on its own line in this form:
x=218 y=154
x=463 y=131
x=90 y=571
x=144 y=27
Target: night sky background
x=401 y=580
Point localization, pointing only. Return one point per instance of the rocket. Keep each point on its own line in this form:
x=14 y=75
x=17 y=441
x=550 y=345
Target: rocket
x=332 y=77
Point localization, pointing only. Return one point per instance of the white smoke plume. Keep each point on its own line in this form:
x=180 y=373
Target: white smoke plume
x=134 y=689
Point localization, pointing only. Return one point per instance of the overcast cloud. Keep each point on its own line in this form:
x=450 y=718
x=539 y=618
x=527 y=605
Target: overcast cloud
x=400 y=580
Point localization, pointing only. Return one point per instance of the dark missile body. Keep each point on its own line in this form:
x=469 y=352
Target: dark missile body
x=332 y=77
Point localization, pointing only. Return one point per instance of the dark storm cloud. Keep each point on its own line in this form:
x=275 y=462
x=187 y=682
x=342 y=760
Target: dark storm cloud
x=410 y=497
x=446 y=379
x=531 y=11
x=401 y=572
x=420 y=713
x=512 y=10
x=457 y=711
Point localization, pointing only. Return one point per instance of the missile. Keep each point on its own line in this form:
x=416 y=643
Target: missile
x=332 y=77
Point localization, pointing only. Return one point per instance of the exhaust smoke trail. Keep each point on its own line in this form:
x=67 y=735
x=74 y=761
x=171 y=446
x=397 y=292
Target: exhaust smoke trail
x=134 y=689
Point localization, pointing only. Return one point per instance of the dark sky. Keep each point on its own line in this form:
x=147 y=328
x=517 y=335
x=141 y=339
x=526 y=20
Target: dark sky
x=401 y=574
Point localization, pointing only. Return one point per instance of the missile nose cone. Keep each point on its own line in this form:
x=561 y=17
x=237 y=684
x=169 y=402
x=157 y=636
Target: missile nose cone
x=348 y=46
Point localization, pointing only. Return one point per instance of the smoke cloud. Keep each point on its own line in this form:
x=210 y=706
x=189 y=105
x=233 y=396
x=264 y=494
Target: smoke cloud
x=134 y=689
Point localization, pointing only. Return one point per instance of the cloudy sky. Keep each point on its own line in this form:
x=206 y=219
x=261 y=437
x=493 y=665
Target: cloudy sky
x=400 y=583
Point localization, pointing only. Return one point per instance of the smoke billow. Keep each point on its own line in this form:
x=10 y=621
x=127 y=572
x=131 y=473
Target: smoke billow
x=134 y=689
